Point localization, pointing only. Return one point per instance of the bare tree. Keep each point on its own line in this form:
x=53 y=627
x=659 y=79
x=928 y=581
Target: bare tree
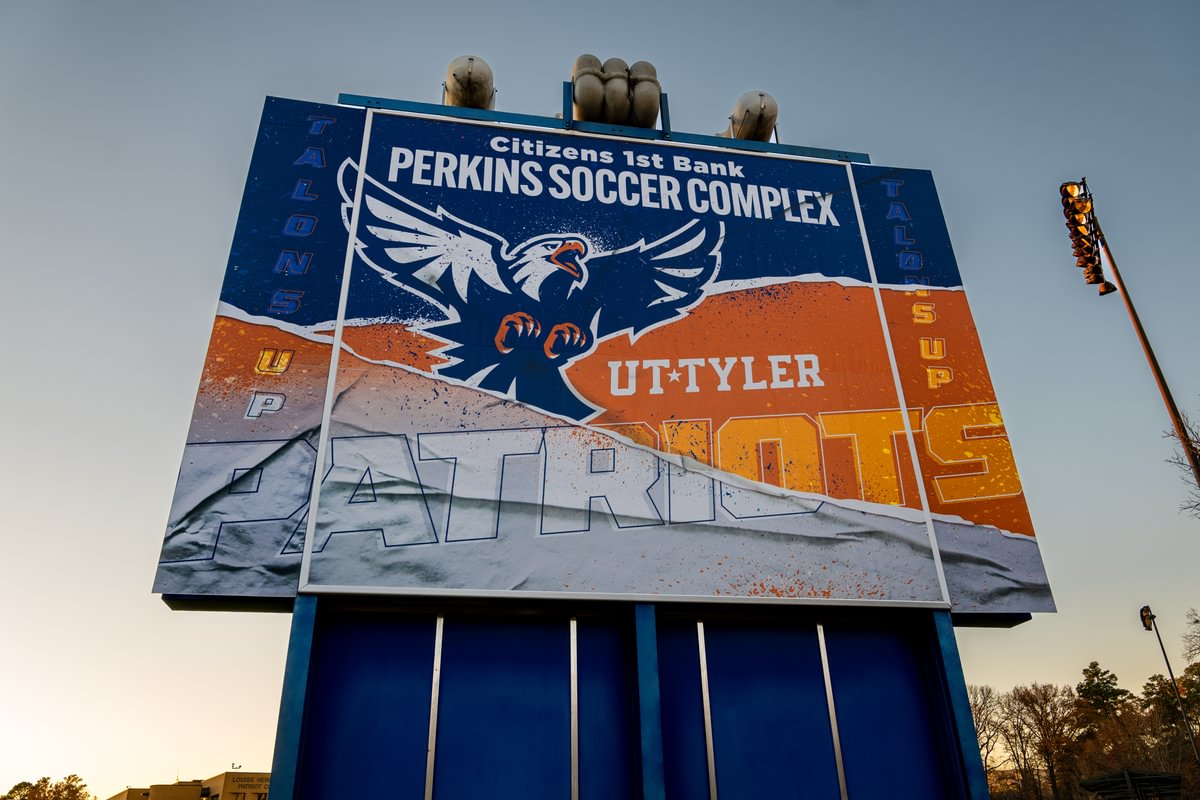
x=1190 y=441
x=1048 y=713
x=1191 y=635
x=1018 y=738
x=988 y=715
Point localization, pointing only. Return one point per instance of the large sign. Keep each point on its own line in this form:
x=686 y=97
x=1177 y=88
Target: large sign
x=537 y=361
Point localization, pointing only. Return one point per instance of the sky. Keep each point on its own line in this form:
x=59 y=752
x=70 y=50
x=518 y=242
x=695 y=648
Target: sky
x=123 y=152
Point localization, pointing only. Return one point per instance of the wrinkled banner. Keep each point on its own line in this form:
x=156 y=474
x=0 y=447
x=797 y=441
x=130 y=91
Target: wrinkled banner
x=545 y=362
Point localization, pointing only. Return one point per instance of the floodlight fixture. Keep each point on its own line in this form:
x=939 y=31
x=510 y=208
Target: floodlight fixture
x=1147 y=618
x=1085 y=232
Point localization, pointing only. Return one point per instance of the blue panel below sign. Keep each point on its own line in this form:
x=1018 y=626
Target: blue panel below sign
x=368 y=707
x=685 y=759
x=608 y=723
x=504 y=714
x=504 y=704
x=892 y=744
x=771 y=731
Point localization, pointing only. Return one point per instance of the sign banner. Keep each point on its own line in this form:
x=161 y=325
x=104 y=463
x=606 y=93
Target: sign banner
x=545 y=362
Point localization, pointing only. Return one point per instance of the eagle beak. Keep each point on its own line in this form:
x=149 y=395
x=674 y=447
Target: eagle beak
x=566 y=257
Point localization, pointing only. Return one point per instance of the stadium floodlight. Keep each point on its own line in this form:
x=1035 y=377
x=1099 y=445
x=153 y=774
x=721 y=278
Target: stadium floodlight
x=1085 y=233
x=1088 y=244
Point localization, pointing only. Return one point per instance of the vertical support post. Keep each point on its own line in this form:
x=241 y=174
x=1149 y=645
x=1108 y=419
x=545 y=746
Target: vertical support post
x=288 y=734
x=649 y=704
x=706 y=704
x=832 y=706
x=435 y=690
x=568 y=112
x=574 y=709
x=664 y=112
x=960 y=708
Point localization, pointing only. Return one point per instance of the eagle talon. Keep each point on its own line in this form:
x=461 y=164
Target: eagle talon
x=519 y=323
x=563 y=337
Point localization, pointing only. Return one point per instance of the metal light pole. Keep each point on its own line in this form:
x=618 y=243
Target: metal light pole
x=1085 y=233
x=1189 y=448
x=1149 y=624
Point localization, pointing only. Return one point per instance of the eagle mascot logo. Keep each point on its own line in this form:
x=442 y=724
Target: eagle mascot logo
x=512 y=317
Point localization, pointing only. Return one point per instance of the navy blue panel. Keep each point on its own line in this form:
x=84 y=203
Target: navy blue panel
x=685 y=755
x=770 y=716
x=504 y=713
x=905 y=226
x=504 y=722
x=368 y=707
x=608 y=723
x=289 y=246
x=892 y=744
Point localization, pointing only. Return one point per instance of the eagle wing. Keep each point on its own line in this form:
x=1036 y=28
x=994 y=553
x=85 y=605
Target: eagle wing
x=637 y=287
x=414 y=247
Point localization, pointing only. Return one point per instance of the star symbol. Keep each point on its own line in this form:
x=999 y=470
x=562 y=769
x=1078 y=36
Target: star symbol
x=674 y=375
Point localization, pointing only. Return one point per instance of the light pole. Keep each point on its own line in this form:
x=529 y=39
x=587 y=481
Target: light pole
x=1149 y=624
x=1087 y=240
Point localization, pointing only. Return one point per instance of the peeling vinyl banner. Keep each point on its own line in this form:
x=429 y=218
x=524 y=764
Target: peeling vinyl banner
x=527 y=360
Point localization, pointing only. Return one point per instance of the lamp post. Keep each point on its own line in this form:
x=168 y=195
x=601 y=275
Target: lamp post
x=1087 y=239
x=1149 y=624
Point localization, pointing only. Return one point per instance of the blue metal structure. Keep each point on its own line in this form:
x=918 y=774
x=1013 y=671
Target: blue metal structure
x=600 y=700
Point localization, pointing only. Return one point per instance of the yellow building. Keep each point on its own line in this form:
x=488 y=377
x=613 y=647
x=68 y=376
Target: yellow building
x=225 y=786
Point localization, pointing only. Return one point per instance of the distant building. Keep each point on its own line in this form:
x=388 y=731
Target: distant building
x=225 y=786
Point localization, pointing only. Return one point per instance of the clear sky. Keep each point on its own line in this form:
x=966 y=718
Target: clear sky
x=126 y=134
